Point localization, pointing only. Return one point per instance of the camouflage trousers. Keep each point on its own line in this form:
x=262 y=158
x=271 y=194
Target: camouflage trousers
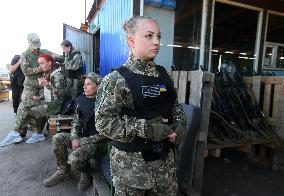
x=143 y=178
x=35 y=116
x=80 y=158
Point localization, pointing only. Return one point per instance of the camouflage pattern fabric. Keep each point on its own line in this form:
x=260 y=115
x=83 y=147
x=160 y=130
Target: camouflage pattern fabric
x=58 y=91
x=94 y=77
x=72 y=62
x=79 y=159
x=157 y=177
x=75 y=63
x=112 y=96
x=33 y=40
x=30 y=67
x=76 y=125
x=30 y=111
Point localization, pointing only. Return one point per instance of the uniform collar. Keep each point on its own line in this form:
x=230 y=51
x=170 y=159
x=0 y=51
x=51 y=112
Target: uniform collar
x=141 y=66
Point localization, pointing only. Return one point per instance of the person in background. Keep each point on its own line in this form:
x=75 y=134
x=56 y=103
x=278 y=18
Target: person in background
x=17 y=79
x=54 y=84
x=84 y=139
x=73 y=68
x=137 y=108
x=31 y=109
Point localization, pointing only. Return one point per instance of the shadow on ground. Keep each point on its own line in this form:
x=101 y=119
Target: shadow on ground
x=234 y=175
x=25 y=166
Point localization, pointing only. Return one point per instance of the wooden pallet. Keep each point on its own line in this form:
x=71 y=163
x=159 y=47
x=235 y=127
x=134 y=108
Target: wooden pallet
x=4 y=95
x=247 y=147
x=195 y=88
x=59 y=123
x=268 y=92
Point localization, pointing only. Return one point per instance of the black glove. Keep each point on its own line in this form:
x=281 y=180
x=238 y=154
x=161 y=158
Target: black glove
x=156 y=130
x=180 y=131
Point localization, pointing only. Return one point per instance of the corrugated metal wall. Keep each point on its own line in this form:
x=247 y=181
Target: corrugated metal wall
x=113 y=47
x=83 y=42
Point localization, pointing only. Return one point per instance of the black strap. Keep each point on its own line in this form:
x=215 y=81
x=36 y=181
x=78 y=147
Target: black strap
x=151 y=151
x=135 y=146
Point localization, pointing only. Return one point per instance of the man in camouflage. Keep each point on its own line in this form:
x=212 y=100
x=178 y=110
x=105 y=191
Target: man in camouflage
x=136 y=107
x=31 y=109
x=85 y=141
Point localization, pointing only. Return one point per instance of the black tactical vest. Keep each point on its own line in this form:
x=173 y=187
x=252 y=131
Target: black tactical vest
x=73 y=74
x=71 y=55
x=152 y=96
x=86 y=109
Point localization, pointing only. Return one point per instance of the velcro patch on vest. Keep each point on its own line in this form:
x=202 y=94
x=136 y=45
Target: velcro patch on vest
x=153 y=91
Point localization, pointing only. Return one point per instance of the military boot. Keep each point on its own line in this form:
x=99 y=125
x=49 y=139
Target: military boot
x=56 y=177
x=85 y=181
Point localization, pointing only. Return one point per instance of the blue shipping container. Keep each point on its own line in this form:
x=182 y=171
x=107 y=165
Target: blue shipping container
x=162 y=3
x=114 y=50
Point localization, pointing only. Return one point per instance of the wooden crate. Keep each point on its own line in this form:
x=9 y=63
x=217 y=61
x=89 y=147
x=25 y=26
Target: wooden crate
x=59 y=123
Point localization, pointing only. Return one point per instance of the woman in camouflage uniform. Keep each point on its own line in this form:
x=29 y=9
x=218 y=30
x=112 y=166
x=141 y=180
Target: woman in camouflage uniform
x=83 y=139
x=54 y=84
x=137 y=108
x=73 y=68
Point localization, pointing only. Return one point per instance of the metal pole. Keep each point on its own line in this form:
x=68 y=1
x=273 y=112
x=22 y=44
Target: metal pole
x=203 y=33
x=85 y=19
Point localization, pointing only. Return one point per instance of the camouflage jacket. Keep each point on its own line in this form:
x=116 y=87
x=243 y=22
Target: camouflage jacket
x=114 y=94
x=31 y=70
x=30 y=67
x=76 y=126
x=72 y=61
x=57 y=86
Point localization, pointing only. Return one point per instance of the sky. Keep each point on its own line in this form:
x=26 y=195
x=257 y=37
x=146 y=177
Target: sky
x=45 y=18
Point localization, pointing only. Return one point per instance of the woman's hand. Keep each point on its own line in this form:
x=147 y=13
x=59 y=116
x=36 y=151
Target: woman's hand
x=42 y=82
x=75 y=143
x=37 y=98
x=172 y=136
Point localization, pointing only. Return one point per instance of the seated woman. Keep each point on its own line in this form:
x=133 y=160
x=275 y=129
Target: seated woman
x=84 y=139
x=54 y=84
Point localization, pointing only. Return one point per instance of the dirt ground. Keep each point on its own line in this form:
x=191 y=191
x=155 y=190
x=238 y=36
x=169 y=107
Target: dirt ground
x=234 y=175
x=24 y=167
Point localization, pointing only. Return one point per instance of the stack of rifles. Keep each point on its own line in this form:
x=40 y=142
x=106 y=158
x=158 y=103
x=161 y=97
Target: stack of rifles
x=235 y=115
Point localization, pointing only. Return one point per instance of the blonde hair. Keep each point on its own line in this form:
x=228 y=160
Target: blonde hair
x=130 y=26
